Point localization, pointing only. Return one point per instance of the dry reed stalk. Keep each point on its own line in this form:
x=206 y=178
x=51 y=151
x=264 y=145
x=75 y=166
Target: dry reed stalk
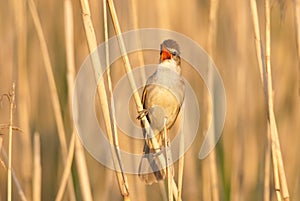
x=297 y=24
x=82 y=170
x=11 y=98
x=23 y=110
x=239 y=152
x=162 y=189
x=16 y=181
x=124 y=54
x=67 y=169
x=276 y=175
x=175 y=191
x=238 y=183
x=181 y=154
x=2 y=163
x=206 y=191
x=92 y=44
x=140 y=189
x=140 y=56
x=37 y=169
x=258 y=43
x=53 y=91
x=261 y=64
x=274 y=131
x=210 y=41
x=168 y=159
x=122 y=179
x=269 y=138
x=267 y=167
x=128 y=68
x=180 y=171
x=79 y=152
x=268 y=92
x=8 y=161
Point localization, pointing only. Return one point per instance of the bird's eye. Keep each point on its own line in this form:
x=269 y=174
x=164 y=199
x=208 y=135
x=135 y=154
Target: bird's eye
x=174 y=53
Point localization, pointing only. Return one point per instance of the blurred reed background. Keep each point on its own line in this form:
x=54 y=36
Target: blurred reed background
x=239 y=155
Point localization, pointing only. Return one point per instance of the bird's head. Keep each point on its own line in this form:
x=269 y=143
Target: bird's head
x=169 y=50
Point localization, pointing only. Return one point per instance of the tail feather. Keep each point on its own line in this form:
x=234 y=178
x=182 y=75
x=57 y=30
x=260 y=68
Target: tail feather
x=152 y=167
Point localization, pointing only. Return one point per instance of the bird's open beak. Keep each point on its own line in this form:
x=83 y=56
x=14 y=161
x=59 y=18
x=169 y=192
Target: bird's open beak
x=165 y=54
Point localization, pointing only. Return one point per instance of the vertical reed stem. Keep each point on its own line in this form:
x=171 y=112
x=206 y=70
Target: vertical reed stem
x=168 y=173
x=297 y=24
x=53 y=91
x=122 y=179
x=79 y=152
x=11 y=96
x=37 y=170
x=67 y=169
x=266 y=78
x=16 y=181
x=92 y=44
x=212 y=157
x=181 y=154
x=274 y=132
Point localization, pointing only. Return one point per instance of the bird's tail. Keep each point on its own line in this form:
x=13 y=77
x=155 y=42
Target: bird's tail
x=153 y=164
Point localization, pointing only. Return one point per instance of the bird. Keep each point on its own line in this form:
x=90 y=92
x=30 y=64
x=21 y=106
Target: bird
x=162 y=99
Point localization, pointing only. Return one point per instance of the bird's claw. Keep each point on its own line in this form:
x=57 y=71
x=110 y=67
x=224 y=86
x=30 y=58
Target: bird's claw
x=142 y=114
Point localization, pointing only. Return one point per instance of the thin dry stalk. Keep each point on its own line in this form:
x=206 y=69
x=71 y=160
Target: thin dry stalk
x=267 y=167
x=269 y=137
x=274 y=131
x=114 y=139
x=37 y=169
x=162 y=189
x=15 y=179
x=268 y=92
x=261 y=64
x=105 y=22
x=67 y=170
x=237 y=189
x=258 y=43
x=141 y=189
x=2 y=163
x=211 y=38
x=79 y=153
x=206 y=193
x=92 y=44
x=11 y=97
x=130 y=77
x=140 y=56
x=275 y=172
x=83 y=175
x=297 y=25
x=23 y=109
x=53 y=90
x=124 y=54
x=297 y=20
x=69 y=38
x=181 y=154
x=175 y=190
x=180 y=171
x=169 y=174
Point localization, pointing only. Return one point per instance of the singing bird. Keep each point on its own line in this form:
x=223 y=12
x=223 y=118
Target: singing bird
x=162 y=99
